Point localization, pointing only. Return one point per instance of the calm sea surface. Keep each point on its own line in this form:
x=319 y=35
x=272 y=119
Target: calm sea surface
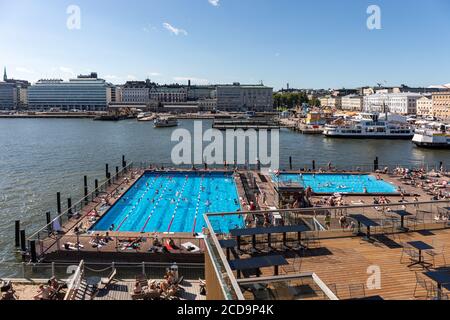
x=39 y=157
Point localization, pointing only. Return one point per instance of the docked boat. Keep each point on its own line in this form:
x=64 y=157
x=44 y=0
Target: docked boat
x=146 y=117
x=370 y=126
x=165 y=122
x=433 y=135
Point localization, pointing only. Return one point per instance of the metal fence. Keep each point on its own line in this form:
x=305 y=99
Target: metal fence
x=125 y=271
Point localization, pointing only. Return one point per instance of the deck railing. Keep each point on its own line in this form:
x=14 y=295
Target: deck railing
x=63 y=271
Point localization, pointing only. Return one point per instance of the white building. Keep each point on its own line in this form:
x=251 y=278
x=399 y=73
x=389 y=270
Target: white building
x=169 y=94
x=237 y=97
x=331 y=102
x=397 y=103
x=352 y=103
x=136 y=92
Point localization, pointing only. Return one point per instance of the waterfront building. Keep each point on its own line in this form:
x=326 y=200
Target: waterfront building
x=425 y=106
x=441 y=105
x=331 y=102
x=201 y=92
x=88 y=93
x=237 y=97
x=136 y=92
x=168 y=94
x=8 y=96
x=397 y=103
x=352 y=103
x=13 y=93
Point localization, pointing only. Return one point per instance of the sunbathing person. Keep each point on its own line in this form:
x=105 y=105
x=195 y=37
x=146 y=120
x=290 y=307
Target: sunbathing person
x=44 y=293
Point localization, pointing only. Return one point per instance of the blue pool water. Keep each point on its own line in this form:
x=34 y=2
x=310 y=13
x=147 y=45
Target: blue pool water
x=338 y=183
x=174 y=202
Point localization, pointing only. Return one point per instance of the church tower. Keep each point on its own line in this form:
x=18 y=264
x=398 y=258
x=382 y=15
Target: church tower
x=5 y=77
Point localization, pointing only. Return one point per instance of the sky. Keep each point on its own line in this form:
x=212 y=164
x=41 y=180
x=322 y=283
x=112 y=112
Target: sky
x=306 y=43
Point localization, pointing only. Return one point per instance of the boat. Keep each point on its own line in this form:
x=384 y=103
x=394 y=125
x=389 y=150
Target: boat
x=146 y=117
x=432 y=135
x=165 y=122
x=370 y=126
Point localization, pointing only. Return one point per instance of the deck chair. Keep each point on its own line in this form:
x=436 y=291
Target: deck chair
x=295 y=267
x=357 y=291
x=107 y=281
x=439 y=250
x=422 y=283
x=409 y=252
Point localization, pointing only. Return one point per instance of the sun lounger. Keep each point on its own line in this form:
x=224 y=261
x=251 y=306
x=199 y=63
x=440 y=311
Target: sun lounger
x=104 y=284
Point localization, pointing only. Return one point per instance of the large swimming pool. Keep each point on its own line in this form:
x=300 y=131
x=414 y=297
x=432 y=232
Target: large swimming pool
x=174 y=202
x=338 y=183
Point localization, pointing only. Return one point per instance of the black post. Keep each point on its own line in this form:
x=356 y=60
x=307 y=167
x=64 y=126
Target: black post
x=58 y=202
x=17 y=231
x=107 y=171
x=69 y=207
x=314 y=165
x=258 y=165
x=96 y=187
x=86 y=201
x=375 y=164
x=33 y=251
x=124 y=163
x=49 y=220
x=117 y=172
x=290 y=163
x=23 y=245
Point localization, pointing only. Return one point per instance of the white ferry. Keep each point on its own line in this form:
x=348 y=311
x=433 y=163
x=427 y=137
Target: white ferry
x=165 y=122
x=433 y=135
x=370 y=126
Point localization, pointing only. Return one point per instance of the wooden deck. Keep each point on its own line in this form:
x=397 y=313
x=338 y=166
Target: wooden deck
x=348 y=261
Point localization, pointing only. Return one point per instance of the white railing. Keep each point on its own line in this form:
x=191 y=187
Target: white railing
x=75 y=282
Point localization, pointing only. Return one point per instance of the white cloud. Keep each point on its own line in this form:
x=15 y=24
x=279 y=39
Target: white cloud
x=193 y=80
x=173 y=30
x=24 y=70
x=131 y=77
x=155 y=74
x=215 y=3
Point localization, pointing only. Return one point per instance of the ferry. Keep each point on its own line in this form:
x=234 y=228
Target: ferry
x=433 y=135
x=165 y=122
x=146 y=117
x=370 y=126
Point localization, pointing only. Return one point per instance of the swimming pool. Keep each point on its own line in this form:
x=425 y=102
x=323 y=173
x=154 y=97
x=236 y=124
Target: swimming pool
x=339 y=183
x=174 y=202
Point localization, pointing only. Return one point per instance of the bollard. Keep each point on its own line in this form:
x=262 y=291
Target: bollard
x=17 y=232
x=117 y=172
x=23 y=245
x=314 y=165
x=107 y=171
x=290 y=163
x=96 y=187
x=375 y=164
x=124 y=163
x=49 y=222
x=258 y=165
x=33 y=251
x=58 y=202
x=69 y=207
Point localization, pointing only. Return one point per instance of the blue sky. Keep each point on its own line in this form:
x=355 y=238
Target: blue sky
x=308 y=43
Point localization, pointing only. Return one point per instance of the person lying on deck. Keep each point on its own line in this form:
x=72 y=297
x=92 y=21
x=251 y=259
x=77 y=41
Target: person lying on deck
x=44 y=293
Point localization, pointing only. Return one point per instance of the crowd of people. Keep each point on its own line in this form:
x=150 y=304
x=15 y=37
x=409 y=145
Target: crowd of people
x=166 y=289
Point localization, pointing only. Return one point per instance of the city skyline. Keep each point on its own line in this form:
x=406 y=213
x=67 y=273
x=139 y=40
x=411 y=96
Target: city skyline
x=306 y=44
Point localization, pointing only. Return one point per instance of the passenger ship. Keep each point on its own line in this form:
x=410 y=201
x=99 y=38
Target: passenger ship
x=433 y=135
x=369 y=126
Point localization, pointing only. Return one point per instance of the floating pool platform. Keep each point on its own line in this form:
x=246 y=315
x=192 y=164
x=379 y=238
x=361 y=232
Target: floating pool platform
x=169 y=205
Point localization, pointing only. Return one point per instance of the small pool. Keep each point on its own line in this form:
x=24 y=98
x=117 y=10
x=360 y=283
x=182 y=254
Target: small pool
x=174 y=202
x=339 y=183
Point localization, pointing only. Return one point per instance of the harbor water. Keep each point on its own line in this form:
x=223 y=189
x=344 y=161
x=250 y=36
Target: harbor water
x=40 y=157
